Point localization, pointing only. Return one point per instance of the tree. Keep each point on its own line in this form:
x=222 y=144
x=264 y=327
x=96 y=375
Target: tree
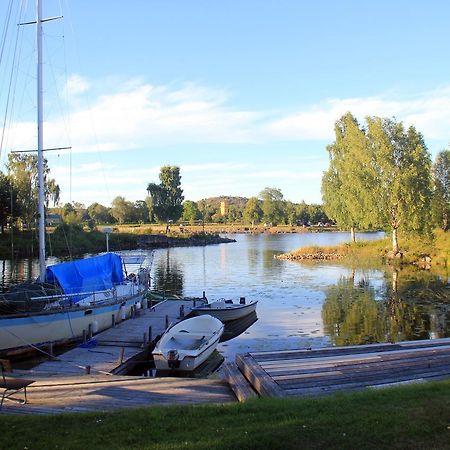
x=253 y=212
x=167 y=197
x=402 y=188
x=122 y=210
x=141 y=211
x=23 y=176
x=99 y=213
x=191 y=213
x=441 y=193
x=6 y=195
x=347 y=184
x=272 y=205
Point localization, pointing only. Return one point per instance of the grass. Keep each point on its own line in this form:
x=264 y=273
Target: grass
x=407 y=417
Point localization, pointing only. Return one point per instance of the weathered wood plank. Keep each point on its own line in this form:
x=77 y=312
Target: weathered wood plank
x=238 y=383
x=259 y=379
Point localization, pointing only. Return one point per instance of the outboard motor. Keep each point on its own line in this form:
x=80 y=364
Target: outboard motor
x=242 y=300
x=172 y=359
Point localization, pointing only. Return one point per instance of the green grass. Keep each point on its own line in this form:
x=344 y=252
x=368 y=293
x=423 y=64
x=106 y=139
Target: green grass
x=407 y=417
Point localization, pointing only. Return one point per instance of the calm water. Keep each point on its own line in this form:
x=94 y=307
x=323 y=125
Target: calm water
x=300 y=304
x=307 y=304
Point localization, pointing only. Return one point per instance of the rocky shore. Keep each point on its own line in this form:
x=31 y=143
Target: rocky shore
x=309 y=256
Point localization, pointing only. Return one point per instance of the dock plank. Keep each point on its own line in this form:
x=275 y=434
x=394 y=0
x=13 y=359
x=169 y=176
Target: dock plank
x=328 y=370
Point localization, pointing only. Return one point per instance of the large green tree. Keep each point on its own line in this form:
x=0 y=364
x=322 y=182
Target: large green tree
x=99 y=213
x=347 y=184
x=402 y=188
x=23 y=176
x=253 y=212
x=167 y=197
x=441 y=192
x=273 y=205
x=191 y=213
x=6 y=196
x=122 y=210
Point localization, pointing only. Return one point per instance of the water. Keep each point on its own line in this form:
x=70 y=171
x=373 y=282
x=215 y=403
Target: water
x=309 y=304
x=301 y=305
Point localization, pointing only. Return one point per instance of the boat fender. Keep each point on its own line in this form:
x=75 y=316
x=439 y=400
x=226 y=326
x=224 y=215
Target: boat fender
x=123 y=312
x=138 y=305
x=95 y=326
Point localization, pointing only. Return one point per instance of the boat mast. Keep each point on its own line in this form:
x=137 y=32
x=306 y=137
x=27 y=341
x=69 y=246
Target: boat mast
x=40 y=154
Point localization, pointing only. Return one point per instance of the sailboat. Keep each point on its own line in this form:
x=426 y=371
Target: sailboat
x=70 y=299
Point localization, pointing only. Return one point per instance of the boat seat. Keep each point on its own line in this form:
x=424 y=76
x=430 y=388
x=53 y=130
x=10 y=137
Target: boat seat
x=11 y=384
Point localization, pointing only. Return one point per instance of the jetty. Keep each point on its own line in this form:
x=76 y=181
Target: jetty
x=321 y=371
x=117 y=349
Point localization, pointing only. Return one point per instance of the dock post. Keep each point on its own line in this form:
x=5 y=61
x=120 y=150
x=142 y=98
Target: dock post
x=182 y=312
x=204 y=295
x=121 y=353
x=150 y=333
x=167 y=321
x=88 y=370
x=132 y=312
x=84 y=335
x=150 y=303
x=90 y=331
x=113 y=320
x=50 y=351
x=145 y=341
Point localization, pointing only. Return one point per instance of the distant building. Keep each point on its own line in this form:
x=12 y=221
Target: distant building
x=224 y=207
x=53 y=219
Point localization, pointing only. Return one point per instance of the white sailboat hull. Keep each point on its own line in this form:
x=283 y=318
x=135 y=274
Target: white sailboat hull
x=21 y=332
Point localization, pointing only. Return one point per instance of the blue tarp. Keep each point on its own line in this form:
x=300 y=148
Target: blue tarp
x=97 y=273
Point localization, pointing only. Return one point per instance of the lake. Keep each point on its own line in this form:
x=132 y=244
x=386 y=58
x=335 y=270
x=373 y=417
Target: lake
x=307 y=304
x=301 y=304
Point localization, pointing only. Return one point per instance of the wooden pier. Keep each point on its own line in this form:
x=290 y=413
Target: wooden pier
x=328 y=370
x=49 y=395
x=116 y=350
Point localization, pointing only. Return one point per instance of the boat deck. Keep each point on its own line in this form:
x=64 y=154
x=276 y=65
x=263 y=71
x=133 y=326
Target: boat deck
x=116 y=349
x=63 y=394
x=328 y=370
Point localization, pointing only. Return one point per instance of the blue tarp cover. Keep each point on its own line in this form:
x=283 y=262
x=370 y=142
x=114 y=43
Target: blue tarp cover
x=97 y=273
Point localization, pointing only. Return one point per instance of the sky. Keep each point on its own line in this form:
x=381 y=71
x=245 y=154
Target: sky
x=240 y=94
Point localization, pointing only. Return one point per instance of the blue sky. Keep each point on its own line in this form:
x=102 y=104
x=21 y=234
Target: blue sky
x=242 y=95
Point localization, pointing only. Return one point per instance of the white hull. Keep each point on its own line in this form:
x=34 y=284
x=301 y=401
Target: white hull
x=193 y=344
x=226 y=311
x=19 y=333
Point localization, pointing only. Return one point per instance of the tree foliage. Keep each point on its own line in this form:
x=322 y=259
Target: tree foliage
x=379 y=175
x=273 y=205
x=167 y=197
x=23 y=177
x=441 y=194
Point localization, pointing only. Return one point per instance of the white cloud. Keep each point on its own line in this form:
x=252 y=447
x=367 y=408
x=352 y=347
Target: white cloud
x=76 y=84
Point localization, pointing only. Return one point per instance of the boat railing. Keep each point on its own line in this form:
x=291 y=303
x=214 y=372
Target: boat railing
x=77 y=294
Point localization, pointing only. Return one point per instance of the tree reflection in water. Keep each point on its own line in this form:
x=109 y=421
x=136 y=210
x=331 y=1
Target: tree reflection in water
x=168 y=276
x=410 y=305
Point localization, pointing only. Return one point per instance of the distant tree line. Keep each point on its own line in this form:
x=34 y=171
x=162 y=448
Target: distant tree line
x=380 y=175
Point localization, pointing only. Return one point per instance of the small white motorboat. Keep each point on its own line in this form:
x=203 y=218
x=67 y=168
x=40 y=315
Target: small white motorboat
x=188 y=343
x=226 y=310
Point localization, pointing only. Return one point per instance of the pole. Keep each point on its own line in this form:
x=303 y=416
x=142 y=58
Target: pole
x=40 y=109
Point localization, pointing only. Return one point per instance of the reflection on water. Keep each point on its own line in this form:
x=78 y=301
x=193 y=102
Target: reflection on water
x=408 y=308
x=301 y=304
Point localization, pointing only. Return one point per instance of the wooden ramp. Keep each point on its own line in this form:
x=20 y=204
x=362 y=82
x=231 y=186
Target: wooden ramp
x=328 y=370
x=115 y=349
x=106 y=392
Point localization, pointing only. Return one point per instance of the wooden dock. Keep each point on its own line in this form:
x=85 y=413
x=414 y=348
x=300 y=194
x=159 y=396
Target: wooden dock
x=49 y=395
x=328 y=370
x=116 y=350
